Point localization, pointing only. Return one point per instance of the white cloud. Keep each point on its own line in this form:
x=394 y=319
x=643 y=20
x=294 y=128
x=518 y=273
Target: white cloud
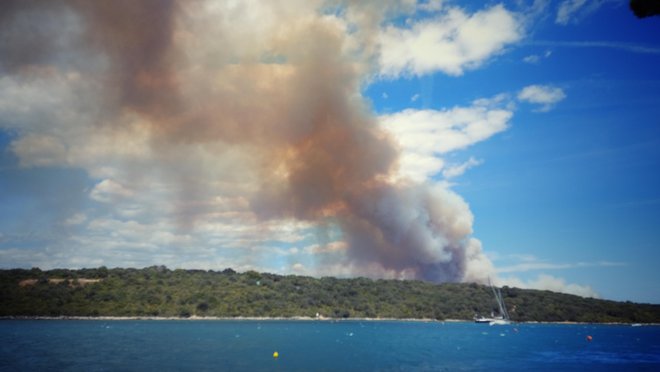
x=536 y=9
x=502 y=100
x=425 y=135
x=567 y=9
x=451 y=43
x=430 y=5
x=414 y=98
x=458 y=169
x=544 y=95
x=532 y=59
x=216 y=243
x=571 y=11
x=109 y=190
x=533 y=264
x=549 y=283
x=543 y=281
x=536 y=58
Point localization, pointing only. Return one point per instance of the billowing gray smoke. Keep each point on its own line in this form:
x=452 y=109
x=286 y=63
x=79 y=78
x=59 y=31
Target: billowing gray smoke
x=272 y=86
x=413 y=229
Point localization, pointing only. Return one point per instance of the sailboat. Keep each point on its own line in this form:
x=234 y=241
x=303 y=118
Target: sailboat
x=501 y=319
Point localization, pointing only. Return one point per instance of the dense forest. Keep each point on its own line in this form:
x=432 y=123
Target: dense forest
x=159 y=291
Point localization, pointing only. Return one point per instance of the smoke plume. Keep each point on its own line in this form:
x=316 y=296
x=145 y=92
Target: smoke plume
x=257 y=102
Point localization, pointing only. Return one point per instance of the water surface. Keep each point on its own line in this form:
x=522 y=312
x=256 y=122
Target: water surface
x=172 y=345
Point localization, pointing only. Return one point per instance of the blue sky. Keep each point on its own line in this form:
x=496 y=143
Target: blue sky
x=575 y=187
x=526 y=135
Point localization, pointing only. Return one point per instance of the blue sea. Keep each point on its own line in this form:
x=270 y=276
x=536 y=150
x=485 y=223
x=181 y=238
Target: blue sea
x=233 y=345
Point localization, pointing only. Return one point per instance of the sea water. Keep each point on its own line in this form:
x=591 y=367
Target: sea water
x=218 y=345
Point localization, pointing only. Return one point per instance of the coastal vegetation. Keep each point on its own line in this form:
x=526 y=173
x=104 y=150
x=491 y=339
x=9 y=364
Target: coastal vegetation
x=160 y=292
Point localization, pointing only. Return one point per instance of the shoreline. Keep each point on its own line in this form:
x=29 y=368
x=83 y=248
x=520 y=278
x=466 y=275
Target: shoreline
x=294 y=318
x=237 y=318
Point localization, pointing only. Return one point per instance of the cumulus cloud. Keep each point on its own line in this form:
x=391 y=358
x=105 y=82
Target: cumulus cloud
x=452 y=42
x=425 y=135
x=544 y=95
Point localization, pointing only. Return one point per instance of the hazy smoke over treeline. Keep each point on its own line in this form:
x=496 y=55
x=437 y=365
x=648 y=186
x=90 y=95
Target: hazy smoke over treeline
x=255 y=103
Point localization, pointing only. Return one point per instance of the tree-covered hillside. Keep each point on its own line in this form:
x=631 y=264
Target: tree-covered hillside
x=158 y=291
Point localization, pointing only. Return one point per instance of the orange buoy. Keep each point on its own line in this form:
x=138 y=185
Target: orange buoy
x=589 y=338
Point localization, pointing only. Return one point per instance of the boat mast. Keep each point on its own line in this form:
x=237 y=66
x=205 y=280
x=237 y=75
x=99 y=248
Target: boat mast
x=500 y=300
x=505 y=313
